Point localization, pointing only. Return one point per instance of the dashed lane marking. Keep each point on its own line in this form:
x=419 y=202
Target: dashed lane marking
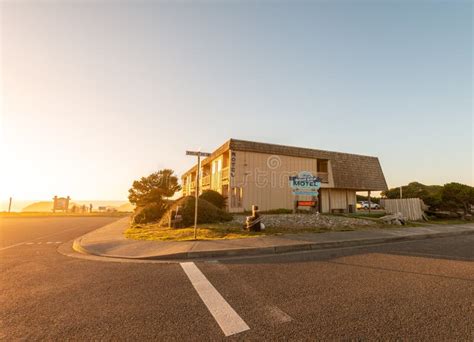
x=15 y=245
x=229 y=321
x=40 y=237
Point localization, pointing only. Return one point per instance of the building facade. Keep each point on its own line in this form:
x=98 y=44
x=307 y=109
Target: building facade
x=249 y=173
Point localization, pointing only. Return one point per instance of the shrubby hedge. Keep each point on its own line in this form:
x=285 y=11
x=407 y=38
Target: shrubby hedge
x=213 y=197
x=149 y=213
x=207 y=212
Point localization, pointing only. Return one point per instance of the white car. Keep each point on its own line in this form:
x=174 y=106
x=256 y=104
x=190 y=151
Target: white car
x=365 y=205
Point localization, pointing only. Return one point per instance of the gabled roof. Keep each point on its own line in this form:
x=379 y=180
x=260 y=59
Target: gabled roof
x=350 y=171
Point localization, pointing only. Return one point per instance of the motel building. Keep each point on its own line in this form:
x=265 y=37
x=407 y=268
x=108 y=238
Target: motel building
x=253 y=173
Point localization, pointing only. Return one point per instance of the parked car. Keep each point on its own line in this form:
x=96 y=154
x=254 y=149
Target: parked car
x=365 y=205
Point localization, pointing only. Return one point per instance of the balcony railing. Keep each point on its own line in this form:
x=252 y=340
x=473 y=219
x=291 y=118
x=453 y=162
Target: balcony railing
x=324 y=177
x=225 y=173
x=205 y=183
x=206 y=180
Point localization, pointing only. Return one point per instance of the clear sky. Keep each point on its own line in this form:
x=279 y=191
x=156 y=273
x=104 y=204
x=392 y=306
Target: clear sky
x=98 y=93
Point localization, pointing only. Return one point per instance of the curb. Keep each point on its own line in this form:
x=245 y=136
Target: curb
x=253 y=251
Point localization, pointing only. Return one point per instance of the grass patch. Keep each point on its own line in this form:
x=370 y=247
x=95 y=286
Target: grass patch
x=366 y=214
x=214 y=231
x=448 y=221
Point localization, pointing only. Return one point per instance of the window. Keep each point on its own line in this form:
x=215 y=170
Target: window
x=322 y=165
x=216 y=165
x=236 y=197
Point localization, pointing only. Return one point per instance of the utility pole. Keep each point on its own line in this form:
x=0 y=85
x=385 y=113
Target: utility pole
x=10 y=205
x=198 y=178
x=401 y=189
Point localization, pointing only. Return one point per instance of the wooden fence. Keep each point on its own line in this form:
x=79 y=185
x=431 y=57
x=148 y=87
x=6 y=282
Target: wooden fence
x=411 y=208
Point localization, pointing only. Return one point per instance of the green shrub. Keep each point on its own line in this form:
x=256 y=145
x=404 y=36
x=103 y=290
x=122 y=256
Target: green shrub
x=207 y=212
x=278 y=211
x=150 y=213
x=213 y=197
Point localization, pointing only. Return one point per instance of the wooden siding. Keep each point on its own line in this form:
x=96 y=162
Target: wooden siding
x=411 y=208
x=324 y=200
x=337 y=199
x=349 y=171
x=264 y=178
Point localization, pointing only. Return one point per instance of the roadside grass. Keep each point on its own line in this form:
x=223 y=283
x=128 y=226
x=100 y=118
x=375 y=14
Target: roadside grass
x=233 y=230
x=60 y=214
x=216 y=231
x=367 y=214
x=447 y=221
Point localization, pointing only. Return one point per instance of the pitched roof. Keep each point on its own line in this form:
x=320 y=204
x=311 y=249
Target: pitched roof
x=350 y=171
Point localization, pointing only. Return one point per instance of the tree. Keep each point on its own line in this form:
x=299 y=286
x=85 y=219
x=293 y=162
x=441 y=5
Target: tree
x=153 y=188
x=430 y=194
x=457 y=196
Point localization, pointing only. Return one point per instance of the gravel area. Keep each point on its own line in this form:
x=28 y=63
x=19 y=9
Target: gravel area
x=309 y=221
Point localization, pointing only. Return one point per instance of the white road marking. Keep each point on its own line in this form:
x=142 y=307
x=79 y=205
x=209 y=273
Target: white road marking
x=38 y=238
x=49 y=242
x=277 y=314
x=229 y=321
x=29 y=243
x=15 y=245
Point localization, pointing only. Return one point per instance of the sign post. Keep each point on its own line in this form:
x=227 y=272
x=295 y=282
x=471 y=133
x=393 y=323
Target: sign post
x=198 y=178
x=307 y=185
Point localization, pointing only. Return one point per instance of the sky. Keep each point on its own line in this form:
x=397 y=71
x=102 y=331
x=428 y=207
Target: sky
x=95 y=94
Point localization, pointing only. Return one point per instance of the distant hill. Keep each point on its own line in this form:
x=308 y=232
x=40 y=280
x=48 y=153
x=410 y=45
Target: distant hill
x=42 y=206
x=47 y=206
x=127 y=207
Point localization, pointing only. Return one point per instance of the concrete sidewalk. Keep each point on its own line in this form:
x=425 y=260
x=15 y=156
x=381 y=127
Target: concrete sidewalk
x=109 y=241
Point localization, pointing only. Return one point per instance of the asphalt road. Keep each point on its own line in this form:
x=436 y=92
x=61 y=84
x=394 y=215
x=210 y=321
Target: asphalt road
x=422 y=290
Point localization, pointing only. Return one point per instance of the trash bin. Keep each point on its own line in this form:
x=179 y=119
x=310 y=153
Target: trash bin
x=351 y=208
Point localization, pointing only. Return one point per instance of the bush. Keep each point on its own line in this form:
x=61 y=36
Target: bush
x=207 y=212
x=213 y=197
x=277 y=211
x=150 y=213
x=457 y=196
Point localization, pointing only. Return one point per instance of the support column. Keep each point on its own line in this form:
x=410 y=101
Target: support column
x=370 y=203
x=329 y=200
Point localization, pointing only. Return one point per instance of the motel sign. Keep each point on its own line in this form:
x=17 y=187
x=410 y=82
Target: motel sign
x=305 y=184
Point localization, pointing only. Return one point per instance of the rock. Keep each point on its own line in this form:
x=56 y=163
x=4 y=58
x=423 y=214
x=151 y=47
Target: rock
x=301 y=221
x=396 y=218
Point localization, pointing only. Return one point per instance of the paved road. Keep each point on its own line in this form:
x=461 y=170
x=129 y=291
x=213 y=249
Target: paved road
x=411 y=290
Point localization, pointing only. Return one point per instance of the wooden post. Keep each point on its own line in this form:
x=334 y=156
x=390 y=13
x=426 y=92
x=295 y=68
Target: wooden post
x=10 y=205
x=329 y=198
x=347 y=202
x=370 y=203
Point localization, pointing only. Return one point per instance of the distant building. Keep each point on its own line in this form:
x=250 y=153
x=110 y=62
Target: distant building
x=250 y=173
